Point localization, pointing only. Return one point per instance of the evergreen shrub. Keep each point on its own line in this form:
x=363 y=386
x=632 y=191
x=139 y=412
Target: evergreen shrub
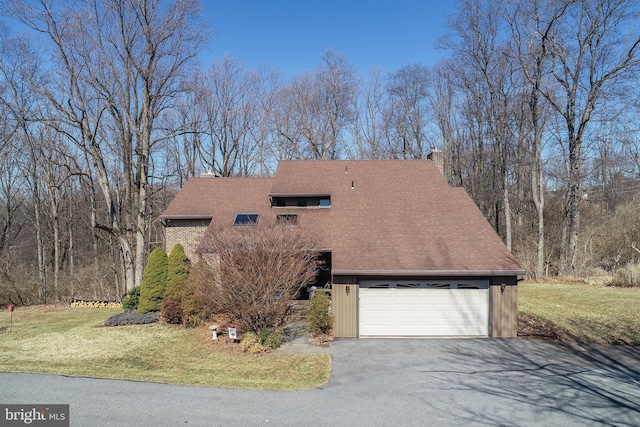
x=154 y=282
x=317 y=313
x=269 y=338
x=177 y=266
x=131 y=299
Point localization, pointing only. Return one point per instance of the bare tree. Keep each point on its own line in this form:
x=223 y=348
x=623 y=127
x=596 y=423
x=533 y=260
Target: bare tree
x=254 y=273
x=10 y=128
x=285 y=126
x=591 y=51
x=18 y=70
x=407 y=113
x=486 y=71
x=318 y=109
x=124 y=59
x=533 y=27
x=183 y=149
x=442 y=96
x=10 y=201
x=263 y=133
x=369 y=120
x=229 y=100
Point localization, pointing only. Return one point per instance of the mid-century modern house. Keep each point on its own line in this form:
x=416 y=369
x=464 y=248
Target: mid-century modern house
x=406 y=254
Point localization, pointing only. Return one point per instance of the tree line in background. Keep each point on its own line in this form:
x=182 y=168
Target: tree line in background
x=105 y=113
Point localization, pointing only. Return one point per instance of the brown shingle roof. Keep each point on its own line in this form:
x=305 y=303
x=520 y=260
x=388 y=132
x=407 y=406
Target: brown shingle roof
x=400 y=218
x=221 y=199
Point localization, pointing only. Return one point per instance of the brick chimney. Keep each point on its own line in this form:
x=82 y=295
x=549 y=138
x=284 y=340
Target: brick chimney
x=437 y=157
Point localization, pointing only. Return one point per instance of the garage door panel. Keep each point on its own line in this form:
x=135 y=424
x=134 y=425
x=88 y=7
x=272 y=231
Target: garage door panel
x=423 y=312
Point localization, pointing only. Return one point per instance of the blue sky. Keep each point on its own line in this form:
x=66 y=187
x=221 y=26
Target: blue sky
x=292 y=35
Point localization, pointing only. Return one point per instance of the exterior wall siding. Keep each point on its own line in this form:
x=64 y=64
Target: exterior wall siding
x=188 y=232
x=504 y=311
x=344 y=306
x=503 y=307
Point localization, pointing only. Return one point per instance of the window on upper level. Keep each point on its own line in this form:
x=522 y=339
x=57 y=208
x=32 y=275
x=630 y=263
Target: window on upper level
x=246 y=219
x=287 y=219
x=301 y=202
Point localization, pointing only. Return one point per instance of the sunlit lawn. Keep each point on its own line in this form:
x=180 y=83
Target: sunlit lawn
x=57 y=340
x=587 y=313
x=70 y=341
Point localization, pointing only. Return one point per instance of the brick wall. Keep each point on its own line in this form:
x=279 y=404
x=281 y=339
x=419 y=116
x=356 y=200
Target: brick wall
x=188 y=232
x=437 y=157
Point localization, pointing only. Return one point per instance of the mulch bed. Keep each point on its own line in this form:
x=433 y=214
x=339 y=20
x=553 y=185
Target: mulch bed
x=536 y=328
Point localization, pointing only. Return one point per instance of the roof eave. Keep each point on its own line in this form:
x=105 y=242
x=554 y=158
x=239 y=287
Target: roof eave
x=192 y=216
x=438 y=273
x=319 y=194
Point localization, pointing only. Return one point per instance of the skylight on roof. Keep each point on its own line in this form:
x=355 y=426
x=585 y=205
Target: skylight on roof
x=246 y=219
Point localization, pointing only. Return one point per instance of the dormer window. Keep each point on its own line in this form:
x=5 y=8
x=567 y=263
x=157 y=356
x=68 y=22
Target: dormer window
x=246 y=219
x=279 y=202
x=322 y=201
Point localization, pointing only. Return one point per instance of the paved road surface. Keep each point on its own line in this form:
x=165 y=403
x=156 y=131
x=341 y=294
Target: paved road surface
x=395 y=382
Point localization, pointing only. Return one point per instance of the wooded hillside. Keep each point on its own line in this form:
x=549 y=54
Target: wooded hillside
x=105 y=113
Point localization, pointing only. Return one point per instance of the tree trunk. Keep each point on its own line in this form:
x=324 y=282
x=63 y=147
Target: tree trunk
x=42 y=269
x=55 y=224
x=537 y=189
x=572 y=210
x=56 y=246
x=507 y=210
x=127 y=262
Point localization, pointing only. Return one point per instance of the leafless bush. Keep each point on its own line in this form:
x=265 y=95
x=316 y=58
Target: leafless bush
x=17 y=284
x=615 y=237
x=90 y=282
x=20 y=286
x=627 y=276
x=253 y=273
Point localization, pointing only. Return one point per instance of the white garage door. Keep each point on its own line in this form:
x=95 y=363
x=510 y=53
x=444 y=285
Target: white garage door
x=424 y=308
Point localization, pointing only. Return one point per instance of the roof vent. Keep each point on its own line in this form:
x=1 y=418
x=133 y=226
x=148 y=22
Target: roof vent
x=352 y=185
x=346 y=169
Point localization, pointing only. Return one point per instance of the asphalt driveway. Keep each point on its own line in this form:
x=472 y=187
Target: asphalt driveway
x=393 y=382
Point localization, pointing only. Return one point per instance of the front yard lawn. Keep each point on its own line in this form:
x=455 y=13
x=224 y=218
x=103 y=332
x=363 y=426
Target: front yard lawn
x=576 y=312
x=71 y=341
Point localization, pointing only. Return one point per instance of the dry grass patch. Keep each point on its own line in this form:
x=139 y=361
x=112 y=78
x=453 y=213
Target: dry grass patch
x=589 y=313
x=64 y=341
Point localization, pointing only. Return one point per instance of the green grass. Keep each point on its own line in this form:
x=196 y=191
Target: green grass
x=583 y=312
x=71 y=342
